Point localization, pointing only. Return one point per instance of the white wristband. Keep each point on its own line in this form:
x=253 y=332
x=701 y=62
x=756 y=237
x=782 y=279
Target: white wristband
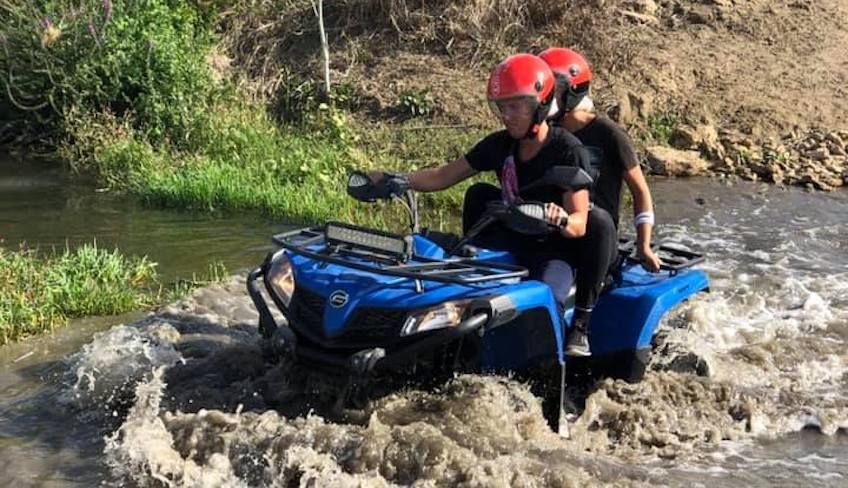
x=644 y=218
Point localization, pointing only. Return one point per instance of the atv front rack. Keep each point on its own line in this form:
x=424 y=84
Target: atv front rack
x=673 y=259
x=312 y=242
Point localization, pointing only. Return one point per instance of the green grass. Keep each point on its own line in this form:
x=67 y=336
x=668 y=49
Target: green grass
x=38 y=293
x=41 y=291
x=243 y=161
x=215 y=272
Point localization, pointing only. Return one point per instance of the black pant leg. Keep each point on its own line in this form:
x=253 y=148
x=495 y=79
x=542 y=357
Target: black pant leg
x=596 y=252
x=474 y=204
x=495 y=236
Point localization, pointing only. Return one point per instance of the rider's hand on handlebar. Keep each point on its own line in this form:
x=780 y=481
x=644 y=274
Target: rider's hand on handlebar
x=376 y=176
x=385 y=185
x=555 y=215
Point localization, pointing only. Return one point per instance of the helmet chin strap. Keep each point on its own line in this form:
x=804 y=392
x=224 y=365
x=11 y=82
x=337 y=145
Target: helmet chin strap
x=532 y=131
x=535 y=126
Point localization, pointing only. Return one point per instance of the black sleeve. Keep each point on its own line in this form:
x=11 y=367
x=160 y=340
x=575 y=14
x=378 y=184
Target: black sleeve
x=575 y=154
x=581 y=157
x=488 y=153
x=622 y=147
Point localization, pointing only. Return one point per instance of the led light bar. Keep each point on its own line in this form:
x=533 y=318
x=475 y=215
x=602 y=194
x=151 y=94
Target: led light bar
x=372 y=240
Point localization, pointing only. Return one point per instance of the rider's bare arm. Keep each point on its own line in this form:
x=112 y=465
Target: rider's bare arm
x=642 y=203
x=436 y=178
x=441 y=177
x=576 y=203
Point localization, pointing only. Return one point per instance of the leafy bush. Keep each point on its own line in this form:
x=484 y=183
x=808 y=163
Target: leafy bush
x=145 y=58
x=661 y=126
x=416 y=103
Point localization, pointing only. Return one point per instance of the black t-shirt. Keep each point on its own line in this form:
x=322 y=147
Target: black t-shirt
x=618 y=157
x=561 y=148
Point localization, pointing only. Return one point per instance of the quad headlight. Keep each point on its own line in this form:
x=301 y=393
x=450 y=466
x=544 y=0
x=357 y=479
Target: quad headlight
x=448 y=314
x=281 y=278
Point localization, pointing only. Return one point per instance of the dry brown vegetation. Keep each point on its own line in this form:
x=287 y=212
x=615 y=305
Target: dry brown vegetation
x=758 y=75
x=385 y=48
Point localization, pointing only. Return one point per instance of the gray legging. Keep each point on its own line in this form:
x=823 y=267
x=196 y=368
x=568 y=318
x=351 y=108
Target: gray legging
x=591 y=255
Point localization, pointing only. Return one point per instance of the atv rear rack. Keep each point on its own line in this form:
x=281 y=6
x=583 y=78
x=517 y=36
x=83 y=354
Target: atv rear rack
x=673 y=259
x=311 y=242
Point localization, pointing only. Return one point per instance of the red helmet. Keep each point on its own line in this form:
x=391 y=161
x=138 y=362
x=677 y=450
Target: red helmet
x=572 y=73
x=522 y=76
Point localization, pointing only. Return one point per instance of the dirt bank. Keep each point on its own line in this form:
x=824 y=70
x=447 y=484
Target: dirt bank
x=757 y=87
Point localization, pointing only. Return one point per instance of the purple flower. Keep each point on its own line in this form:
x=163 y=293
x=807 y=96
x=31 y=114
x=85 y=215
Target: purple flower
x=46 y=22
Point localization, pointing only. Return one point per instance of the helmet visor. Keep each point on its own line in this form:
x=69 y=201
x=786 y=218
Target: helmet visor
x=514 y=107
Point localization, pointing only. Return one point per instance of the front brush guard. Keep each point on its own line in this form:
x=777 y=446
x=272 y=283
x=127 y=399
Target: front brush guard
x=362 y=362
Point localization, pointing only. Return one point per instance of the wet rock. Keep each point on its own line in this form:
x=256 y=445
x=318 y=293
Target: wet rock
x=777 y=174
x=673 y=162
x=725 y=165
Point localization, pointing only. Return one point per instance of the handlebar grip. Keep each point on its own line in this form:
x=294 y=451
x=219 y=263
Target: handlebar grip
x=360 y=187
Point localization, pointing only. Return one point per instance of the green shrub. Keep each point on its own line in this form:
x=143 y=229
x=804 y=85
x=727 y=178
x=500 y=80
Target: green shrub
x=661 y=126
x=416 y=103
x=142 y=58
x=38 y=293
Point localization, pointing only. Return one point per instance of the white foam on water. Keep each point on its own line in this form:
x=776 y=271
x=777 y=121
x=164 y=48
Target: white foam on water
x=142 y=449
x=766 y=331
x=105 y=371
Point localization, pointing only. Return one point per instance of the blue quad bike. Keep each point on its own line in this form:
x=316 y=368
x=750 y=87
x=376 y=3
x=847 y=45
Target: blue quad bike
x=362 y=305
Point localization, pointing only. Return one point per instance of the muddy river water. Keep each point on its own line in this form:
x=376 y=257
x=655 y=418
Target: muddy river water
x=181 y=396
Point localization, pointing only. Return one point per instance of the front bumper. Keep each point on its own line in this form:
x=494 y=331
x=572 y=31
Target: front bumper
x=358 y=362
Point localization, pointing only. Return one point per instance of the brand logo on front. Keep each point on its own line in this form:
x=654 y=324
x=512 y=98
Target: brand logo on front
x=338 y=299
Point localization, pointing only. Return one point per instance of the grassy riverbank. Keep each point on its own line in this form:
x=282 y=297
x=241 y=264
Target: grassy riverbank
x=245 y=162
x=40 y=292
x=131 y=93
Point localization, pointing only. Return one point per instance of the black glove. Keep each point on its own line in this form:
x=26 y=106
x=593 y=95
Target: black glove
x=397 y=184
x=360 y=186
